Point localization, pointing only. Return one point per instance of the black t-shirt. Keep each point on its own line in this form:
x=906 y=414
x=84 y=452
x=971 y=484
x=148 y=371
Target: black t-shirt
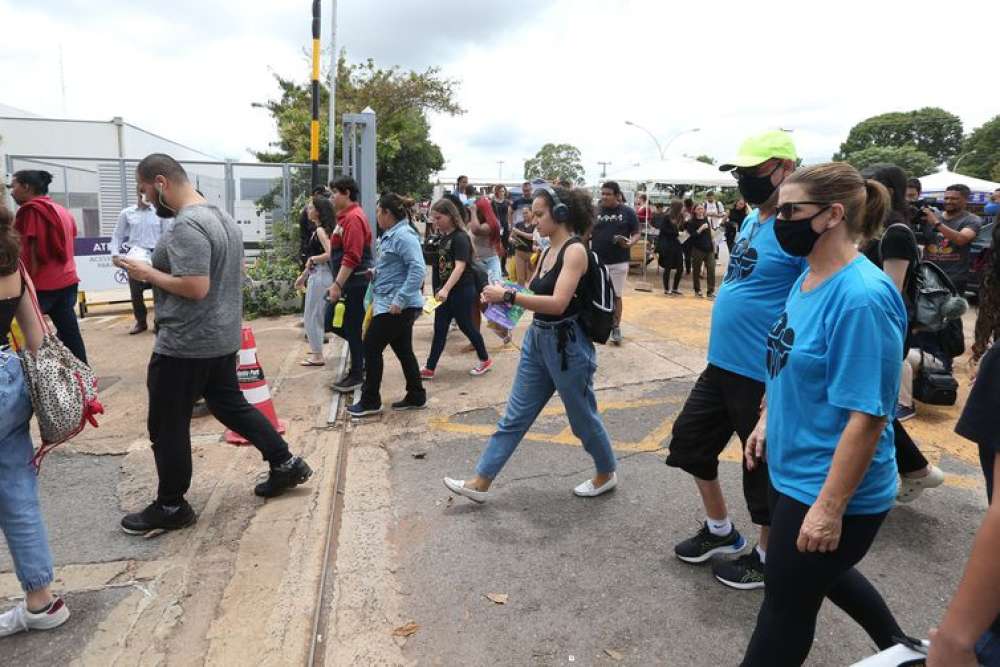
x=453 y=247
x=980 y=420
x=700 y=241
x=736 y=218
x=897 y=242
x=618 y=221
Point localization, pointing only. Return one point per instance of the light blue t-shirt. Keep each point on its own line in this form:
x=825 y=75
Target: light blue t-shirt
x=753 y=294
x=836 y=349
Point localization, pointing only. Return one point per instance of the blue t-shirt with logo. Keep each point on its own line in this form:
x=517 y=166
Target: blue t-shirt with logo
x=753 y=294
x=835 y=350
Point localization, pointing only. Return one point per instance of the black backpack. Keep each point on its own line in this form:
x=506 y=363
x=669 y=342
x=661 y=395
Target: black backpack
x=932 y=301
x=596 y=296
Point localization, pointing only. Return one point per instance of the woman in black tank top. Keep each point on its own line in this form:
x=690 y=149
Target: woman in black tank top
x=556 y=354
x=26 y=539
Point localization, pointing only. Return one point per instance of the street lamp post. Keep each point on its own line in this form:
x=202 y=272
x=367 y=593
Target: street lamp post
x=959 y=160
x=662 y=150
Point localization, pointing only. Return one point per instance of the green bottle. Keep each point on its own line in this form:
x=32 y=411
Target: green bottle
x=338 y=314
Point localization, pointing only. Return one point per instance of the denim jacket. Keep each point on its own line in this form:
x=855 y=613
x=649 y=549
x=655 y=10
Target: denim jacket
x=399 y=269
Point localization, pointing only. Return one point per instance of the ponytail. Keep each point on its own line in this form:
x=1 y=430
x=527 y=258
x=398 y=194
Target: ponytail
x=877 y=202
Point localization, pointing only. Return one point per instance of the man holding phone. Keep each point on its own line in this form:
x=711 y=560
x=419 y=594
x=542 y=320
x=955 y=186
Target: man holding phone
x=615 y=231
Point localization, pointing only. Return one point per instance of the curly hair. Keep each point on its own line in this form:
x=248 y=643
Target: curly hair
x=579 y=203
x=988 y=320
x=10 y=248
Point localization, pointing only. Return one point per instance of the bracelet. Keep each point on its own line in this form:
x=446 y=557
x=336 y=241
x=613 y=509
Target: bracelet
x=339 y=286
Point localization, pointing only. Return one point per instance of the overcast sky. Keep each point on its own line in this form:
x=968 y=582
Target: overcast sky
x=529 y=72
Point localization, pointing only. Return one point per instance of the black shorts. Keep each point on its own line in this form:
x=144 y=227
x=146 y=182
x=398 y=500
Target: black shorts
x=721 y=403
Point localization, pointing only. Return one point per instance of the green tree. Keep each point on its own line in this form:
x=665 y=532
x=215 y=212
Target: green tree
x=914 y=162
x=932 y=130
x=981 y=151
x=401 y=100
x=556 y=162
x=707 y=159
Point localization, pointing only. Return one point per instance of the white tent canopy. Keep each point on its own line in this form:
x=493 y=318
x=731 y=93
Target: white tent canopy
x=936 y=183
x=674 y=171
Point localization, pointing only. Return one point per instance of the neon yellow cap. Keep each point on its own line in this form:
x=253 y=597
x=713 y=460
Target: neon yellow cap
x=761 y=148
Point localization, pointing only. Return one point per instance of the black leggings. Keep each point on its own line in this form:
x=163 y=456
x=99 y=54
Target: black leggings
x=797 y=583
x=461 y=301
x=678 y=272
x=908 y=456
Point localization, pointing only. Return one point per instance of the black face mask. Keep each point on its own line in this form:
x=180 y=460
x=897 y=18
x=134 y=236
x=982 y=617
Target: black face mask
x=797 y=237
x=757 y=189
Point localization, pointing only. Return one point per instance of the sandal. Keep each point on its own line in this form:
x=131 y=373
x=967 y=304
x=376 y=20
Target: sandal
x=310 y=362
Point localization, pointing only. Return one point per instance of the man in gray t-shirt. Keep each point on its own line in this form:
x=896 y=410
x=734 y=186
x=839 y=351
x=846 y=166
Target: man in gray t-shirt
x=196 y=274
x=949 y=235
x=204 y=241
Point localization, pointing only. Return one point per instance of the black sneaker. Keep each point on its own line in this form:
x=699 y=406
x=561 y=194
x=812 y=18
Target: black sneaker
x=158 y=518
x=291 y=473
x=409 y=404
x=348 y=384
x=361 y=410
x=744 y=573
x=704 y=545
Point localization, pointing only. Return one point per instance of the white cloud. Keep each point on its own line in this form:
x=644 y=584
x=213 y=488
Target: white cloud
x=531 y=72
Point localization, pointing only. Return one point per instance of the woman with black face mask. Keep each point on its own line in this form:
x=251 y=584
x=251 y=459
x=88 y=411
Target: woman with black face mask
x=833 y=362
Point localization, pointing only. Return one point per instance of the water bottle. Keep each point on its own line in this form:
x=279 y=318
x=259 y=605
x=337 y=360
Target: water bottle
x=338 y=314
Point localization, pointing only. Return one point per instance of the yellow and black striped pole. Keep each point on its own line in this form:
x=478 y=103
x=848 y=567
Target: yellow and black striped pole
x=314 y=124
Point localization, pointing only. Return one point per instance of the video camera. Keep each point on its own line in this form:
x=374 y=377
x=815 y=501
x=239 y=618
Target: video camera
x=916 y=216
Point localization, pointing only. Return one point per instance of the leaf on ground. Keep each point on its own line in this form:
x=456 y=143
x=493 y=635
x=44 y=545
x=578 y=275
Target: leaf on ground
x=614 y=655
x=498 y=598
x=407 y=630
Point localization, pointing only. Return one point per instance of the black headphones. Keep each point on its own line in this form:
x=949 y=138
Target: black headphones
x=560 y=212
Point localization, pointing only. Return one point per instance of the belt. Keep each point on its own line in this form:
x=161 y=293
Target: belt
x=565 y=332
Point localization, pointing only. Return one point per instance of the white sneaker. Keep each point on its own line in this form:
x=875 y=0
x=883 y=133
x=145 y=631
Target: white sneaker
x=19 y=619
x=588 y=490
x=911 y=487
x=458 y=486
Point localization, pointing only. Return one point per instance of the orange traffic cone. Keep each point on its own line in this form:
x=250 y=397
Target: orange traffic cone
x=251 y=378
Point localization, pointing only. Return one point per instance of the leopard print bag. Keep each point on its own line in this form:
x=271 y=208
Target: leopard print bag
x=63 y=389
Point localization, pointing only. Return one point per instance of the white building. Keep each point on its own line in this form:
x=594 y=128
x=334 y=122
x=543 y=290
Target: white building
x=82 y=157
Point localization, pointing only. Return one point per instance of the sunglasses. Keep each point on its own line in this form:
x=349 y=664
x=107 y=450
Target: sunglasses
x=750 y=172
x=786 y=210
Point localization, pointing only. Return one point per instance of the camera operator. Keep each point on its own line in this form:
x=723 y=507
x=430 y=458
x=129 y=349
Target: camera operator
x=949 y=234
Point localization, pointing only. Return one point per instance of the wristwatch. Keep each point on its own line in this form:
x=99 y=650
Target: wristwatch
x=509 y=296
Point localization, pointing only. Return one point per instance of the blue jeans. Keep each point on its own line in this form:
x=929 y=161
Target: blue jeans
x=988 y=649
x=20 y=512
x=493 y=269
x=539 y=374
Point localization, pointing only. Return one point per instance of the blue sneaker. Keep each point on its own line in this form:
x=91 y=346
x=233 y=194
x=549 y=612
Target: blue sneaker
x=359 y=410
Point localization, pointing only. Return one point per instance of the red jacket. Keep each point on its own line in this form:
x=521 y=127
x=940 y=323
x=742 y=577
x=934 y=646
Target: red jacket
x=53 y=229
x=355 y=236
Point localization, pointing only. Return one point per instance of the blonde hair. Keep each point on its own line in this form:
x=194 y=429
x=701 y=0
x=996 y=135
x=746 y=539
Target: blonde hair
x=865 y=201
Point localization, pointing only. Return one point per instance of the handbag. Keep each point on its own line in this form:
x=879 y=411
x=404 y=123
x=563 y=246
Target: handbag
x=63 y=389
x=934 y=387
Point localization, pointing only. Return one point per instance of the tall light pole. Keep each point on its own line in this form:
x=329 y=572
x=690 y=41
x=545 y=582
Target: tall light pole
x=331 y=121
x=663 y=150
x=500 y=162
x=604 y=168
x=651 y=136
x=680 y=134
x=959 y=160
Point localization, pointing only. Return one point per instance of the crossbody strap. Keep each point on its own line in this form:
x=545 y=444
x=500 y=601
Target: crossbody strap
x=27 y=286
